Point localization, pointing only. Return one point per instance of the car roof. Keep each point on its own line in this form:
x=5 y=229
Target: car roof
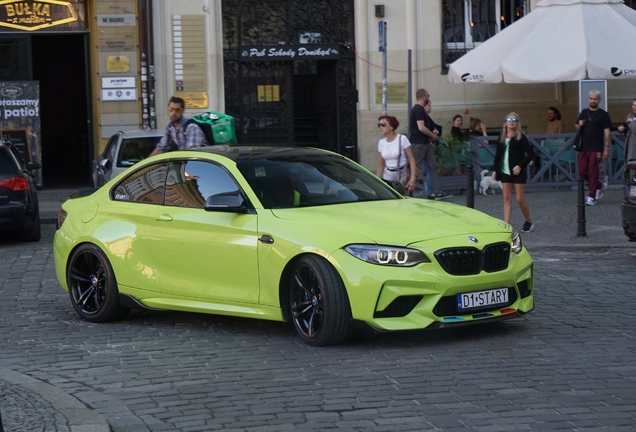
x=238 y=152
x=142 y=133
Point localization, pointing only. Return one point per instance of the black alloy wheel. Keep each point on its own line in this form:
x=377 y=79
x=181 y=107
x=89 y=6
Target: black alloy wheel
x=319 y=304
x=92 y=286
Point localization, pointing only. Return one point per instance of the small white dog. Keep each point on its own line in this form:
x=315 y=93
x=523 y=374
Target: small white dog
x=487 y=182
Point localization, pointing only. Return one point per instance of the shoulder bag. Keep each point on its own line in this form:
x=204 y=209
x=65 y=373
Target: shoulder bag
x=403 y=175
x=577 y=142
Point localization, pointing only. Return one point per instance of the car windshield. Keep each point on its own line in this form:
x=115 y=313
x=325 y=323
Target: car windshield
x=312 y=180
x=133 y=150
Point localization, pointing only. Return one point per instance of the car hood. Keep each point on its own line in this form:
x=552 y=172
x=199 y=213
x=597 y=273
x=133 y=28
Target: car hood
x=397 y=222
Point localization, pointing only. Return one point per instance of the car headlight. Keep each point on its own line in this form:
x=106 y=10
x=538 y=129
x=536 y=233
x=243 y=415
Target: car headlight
x=387 y=255
x=515 y=244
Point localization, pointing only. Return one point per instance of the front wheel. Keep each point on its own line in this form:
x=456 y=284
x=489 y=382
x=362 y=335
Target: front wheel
x=92 y=286
x=319 y=303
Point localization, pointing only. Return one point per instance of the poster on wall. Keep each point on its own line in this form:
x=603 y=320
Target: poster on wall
x=20 y=119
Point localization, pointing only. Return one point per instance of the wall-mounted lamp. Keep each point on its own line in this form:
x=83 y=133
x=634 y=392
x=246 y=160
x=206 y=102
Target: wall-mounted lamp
x=379 y=11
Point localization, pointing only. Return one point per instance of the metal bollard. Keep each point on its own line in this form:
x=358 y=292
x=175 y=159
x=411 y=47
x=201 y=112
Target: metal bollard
x=470 y=188
x=581 y=205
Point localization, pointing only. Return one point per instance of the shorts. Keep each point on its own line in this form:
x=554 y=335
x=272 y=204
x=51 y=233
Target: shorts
x=522 y=178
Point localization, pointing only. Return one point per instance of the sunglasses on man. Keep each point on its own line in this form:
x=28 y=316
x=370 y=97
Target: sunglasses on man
x=171 y=109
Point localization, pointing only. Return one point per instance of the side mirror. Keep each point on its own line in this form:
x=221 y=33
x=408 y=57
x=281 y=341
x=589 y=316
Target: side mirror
x=33 y=165
x=104 y=163
x=229 y=202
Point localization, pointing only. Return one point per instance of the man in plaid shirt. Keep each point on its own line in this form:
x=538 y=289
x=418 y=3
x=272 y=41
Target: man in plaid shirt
x=179 y=134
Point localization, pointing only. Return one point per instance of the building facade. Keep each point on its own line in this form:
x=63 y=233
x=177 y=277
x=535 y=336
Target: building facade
x=302 y=72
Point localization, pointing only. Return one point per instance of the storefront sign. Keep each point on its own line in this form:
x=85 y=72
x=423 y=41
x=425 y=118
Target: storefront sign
x=20 y=119
x=117 y=64
x=396 y=92
x=33 y=15
x=118 y=82
x=118 y=20
x=119 y=95
x=290 y=52
x=194 y=99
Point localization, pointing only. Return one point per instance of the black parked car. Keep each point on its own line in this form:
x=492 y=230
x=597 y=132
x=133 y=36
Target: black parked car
x=19 y=209
x=628 y=207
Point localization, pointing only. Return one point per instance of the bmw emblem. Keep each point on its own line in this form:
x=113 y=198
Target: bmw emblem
x=472 y=239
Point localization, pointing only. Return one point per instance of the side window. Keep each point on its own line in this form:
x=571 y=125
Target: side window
x=189 y=183
x=145 y=185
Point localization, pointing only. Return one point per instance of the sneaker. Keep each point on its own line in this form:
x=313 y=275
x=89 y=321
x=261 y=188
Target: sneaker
x=527 y=227
x=442 y=196
x=431 y=196
x=589 y=201
x=600 y=192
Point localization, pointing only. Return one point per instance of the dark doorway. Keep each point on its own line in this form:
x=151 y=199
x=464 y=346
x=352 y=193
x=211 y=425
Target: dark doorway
x=315 y=104
x=59 y=64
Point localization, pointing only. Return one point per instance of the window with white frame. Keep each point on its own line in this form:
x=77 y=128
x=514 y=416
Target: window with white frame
x=467 y=23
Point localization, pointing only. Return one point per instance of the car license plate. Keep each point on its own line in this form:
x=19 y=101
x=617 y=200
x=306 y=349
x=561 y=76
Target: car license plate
x=482 y=298
x=632 y=191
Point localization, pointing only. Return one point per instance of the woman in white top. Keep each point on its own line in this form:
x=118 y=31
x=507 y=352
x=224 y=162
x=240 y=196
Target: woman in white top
x=394 y=151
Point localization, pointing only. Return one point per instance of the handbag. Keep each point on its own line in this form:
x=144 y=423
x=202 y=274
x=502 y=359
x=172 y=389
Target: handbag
x=577 y=142
x=403 y=175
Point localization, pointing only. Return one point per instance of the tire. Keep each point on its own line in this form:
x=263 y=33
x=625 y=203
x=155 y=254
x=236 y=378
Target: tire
x=92 y=286
x=32 y=232
x=319 y=304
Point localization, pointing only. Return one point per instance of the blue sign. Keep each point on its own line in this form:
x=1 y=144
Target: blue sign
x=382 y=35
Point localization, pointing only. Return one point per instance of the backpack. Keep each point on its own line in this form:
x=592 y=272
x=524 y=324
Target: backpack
x=218 y=128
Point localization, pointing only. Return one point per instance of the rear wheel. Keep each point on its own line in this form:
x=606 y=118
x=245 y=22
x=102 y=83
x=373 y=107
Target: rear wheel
x=92 y=286
x=319 y=304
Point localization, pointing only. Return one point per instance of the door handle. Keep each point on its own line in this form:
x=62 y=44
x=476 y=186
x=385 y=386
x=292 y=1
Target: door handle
x=163 y=218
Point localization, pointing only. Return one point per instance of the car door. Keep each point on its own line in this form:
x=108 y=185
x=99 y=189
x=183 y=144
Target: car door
x=209 y=255
x=125 y=230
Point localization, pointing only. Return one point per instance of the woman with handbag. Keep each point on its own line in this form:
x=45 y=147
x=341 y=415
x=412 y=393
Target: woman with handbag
x=514 y=153
x=395 y=157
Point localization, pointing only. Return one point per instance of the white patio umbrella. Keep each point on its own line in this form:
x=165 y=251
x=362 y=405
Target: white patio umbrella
x=561 y=40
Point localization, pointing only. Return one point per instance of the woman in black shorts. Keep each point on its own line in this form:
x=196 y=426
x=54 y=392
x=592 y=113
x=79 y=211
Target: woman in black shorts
x=514 y=153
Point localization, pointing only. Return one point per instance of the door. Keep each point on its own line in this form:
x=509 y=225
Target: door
x=198 y=254
x=315 y=104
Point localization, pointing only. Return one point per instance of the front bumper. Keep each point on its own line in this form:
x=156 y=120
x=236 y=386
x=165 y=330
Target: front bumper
x=425 y=296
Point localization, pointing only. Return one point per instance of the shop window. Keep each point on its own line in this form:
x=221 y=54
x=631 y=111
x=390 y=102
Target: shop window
x=467 y=23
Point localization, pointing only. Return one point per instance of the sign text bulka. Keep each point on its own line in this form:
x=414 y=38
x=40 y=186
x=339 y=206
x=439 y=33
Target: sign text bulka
x=35 y=15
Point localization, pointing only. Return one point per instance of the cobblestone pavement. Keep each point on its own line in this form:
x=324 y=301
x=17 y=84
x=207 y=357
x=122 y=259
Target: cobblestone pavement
x=568 y=365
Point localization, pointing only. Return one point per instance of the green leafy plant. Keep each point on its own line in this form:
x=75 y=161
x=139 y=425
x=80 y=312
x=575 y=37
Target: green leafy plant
x=451 y=155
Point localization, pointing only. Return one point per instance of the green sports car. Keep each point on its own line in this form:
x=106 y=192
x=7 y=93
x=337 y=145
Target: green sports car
x=286 y=234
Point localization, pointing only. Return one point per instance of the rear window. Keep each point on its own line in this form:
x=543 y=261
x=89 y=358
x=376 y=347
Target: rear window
x=6 y=163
